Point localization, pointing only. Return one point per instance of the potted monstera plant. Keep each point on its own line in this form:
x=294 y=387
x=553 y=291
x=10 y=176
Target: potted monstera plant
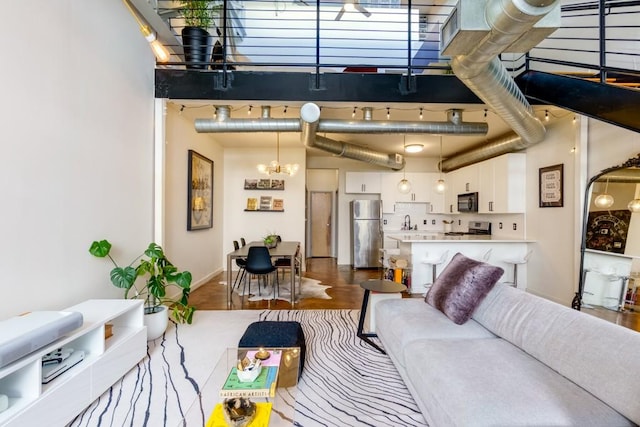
x=158 y=274
x=196 y=41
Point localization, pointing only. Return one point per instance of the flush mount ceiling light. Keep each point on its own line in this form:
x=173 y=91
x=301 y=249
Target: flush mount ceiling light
x=275 y=166
x=604 y=200
x=404 y=186
x=413 y=148
x=352 y=6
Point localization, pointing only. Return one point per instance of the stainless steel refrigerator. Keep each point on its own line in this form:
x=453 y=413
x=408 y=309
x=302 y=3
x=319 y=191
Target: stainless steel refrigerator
x=366 y=233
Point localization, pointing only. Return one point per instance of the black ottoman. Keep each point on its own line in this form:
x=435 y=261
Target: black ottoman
x=274 y=334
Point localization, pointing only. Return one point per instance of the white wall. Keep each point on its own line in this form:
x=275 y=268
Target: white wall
x=77 y=150
x=240 y=164
x=551 y=271
x=198 y=251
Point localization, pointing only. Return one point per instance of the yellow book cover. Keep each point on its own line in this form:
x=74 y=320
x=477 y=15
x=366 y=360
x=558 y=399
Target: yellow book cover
x=263 y=412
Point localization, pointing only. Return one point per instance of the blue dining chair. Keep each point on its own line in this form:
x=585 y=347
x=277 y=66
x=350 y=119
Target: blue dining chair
x=258 y=264
x=240 y=262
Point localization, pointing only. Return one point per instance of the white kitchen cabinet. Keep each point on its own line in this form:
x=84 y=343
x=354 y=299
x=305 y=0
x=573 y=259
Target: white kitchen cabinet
x=422 y=191
x=105 y=361
x=451 y=192
x=502 y=184
x=362 y=182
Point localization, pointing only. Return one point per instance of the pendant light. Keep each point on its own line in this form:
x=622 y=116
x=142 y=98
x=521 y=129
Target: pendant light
x=275 y=166
x=604 y=200
x=404 y=186
x=634 y=205
x=440 y=185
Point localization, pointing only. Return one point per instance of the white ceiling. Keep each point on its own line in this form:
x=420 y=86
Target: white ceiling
x=388 y=143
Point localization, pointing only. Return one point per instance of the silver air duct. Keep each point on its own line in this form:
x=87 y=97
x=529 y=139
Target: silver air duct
x=224 y=123
x=483 y=73
x=309 y=119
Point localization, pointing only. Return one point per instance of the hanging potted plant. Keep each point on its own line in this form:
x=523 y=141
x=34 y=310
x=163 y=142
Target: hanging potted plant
x=159 y=274
x=197 y=42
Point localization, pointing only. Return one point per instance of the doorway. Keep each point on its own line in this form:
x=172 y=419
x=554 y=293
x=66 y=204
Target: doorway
x=321 y=206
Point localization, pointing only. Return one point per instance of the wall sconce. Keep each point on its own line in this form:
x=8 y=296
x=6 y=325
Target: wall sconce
x=161 y=53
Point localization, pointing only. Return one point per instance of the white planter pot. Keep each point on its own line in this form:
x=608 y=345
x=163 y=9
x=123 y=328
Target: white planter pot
x=156 y=323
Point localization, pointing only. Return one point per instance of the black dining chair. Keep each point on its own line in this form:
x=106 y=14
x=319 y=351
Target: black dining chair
x=243 y=242
x=258 y=264
x=240 y=262
x=284 y=264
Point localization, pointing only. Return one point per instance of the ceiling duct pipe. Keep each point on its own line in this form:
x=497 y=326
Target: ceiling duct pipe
x=309 y=120
x=224 y=123
x=454 y=126
x=477 y=65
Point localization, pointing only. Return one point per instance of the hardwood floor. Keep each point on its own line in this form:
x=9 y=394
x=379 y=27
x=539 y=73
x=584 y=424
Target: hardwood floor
x=345 y=293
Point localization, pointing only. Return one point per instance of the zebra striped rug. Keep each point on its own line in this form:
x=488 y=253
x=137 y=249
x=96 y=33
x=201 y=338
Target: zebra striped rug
x=345 y=382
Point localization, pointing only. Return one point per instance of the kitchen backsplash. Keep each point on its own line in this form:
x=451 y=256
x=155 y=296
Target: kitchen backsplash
x=418 y=217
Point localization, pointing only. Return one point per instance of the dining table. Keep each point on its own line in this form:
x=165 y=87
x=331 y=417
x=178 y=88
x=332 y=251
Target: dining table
x=284 y=249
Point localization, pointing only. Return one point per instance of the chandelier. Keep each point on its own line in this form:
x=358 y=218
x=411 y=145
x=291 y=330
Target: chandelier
x=275 y=166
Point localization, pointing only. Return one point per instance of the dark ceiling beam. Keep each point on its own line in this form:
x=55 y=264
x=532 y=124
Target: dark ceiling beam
x=327 y=87
x=607 y=102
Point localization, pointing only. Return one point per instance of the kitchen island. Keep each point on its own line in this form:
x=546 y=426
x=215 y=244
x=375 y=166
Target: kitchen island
x=416 y=247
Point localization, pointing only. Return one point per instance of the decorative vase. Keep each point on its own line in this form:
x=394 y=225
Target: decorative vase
x=156 y=321
x=447 y=228
x=197 y=46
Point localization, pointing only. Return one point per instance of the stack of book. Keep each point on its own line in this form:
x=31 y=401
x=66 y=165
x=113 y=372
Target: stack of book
x=263 y=386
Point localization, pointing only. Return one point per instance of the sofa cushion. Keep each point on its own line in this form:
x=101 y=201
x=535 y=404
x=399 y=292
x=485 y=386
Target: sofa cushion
x=461 y=286
x=591 y=352
x=490 y=382
x=401 y=321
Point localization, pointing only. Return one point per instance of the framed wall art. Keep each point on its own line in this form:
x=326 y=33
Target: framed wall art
x=551 y=186
x=199 y=192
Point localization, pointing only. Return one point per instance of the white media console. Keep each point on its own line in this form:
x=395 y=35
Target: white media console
x=32 y=403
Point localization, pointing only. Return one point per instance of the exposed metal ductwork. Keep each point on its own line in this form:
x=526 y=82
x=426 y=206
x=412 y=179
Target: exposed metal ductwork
x=309 y=119
x=482 y=71
x=454 y=126
x=312 y=124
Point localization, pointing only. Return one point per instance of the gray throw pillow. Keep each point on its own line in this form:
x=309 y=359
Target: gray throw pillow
x=462 y=286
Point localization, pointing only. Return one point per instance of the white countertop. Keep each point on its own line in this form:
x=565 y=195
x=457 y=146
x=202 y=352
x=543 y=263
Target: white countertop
x=441 y=238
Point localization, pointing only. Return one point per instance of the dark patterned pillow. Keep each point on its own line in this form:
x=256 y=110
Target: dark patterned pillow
x=462 y=286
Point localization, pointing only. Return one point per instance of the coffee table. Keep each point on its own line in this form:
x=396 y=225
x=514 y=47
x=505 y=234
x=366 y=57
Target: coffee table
x=283 y=409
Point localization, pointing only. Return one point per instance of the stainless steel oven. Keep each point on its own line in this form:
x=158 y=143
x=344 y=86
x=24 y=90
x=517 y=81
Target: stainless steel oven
x=468 y=202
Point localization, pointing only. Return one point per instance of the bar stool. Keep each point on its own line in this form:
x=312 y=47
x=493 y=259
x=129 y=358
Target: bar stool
x=516 y=261
x=434 y=261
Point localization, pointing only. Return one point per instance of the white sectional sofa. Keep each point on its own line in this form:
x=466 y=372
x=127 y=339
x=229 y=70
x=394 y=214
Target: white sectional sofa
x=520 y=360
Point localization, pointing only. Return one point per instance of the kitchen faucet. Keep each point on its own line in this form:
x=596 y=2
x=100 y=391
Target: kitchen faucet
x=407 y=223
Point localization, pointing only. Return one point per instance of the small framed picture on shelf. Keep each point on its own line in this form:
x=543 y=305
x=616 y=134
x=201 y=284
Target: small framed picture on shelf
x=250 y=184
x=252 y=204
x=278 y=205
x=265 y=203
x=264 y=184
x=277 y=184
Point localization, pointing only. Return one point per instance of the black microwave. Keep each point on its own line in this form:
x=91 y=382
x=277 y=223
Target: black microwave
x=468 y=202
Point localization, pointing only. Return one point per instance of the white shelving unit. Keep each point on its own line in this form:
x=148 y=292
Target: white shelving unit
x=105 y=361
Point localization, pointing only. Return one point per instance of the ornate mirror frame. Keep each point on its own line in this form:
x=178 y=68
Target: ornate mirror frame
x=632 y=162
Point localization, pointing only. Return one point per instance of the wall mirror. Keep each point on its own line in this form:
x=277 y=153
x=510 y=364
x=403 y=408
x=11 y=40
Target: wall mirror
x=610 y=250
